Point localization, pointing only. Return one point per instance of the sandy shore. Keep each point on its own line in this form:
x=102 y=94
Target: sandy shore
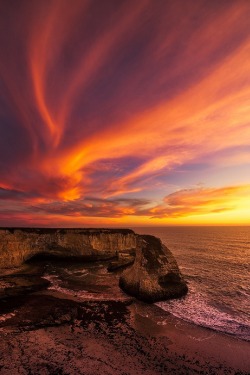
x=48 y=333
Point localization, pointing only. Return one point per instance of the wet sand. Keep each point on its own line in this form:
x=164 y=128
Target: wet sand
x=44 y=331
x=46 y=334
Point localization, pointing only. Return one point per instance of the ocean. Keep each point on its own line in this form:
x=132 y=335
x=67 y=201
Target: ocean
x=215 y=262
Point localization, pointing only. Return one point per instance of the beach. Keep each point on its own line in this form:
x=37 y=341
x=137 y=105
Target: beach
x=51 y=333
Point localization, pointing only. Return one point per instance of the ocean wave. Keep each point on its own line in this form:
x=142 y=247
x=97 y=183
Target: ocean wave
x=77 y=273
x=5 y=317
x=57 y=285
x=196 y=308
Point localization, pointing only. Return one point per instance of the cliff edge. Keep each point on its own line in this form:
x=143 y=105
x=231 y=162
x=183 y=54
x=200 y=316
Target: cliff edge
x=17 y=245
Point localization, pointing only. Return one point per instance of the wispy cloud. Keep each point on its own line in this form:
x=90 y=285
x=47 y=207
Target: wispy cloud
x=182 y=203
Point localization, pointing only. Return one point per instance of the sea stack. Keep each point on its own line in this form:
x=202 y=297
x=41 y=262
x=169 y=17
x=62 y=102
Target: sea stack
x=155 y=275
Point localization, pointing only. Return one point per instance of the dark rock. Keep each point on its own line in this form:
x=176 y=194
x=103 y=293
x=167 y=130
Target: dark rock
x=123 y=261
x=154 y=275
x=36 y=311
x=15 y=285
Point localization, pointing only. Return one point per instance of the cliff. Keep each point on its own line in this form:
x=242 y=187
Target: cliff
x=17 y=245
x=151 y=273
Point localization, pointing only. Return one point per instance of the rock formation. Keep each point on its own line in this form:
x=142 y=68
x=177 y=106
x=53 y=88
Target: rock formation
x=153 y=275
x=17 y=245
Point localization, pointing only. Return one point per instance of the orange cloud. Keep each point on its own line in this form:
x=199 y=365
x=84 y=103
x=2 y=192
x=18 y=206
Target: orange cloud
x=200 y=201
x=210 y=116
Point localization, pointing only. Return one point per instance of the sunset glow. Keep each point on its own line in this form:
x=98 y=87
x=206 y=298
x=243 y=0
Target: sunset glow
x=124 y=113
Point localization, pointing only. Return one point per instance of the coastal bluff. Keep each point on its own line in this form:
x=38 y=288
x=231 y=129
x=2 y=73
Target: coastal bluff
x=17 y=245
x=152 y=275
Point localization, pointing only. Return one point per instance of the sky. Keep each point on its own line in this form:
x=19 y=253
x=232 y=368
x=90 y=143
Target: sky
x=124 y=113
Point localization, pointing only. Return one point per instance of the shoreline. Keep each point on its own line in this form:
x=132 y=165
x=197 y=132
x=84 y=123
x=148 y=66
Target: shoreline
x=203 y=342
x=55 y=334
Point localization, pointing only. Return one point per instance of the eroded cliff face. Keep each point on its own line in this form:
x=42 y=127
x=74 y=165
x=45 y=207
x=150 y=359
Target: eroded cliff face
x=155 y=275
x=19 y=245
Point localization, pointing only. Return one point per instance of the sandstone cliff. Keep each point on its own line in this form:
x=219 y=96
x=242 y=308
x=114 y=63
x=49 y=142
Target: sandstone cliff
x=19 y=245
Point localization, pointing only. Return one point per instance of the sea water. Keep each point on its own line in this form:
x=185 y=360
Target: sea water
x=215 y=261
